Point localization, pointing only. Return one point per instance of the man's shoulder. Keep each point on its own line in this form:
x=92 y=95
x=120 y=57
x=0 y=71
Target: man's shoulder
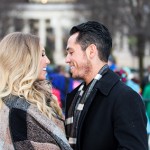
x=108 y=82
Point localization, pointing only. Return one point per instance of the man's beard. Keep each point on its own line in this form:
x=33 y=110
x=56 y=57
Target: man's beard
x=84 y=70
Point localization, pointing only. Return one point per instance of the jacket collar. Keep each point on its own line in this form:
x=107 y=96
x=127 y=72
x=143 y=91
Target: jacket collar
x=105 y=84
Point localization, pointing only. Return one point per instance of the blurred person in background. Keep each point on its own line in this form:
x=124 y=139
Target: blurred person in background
x=146 y=78
x=146 y=91
x=131 y=81
x=146 y=98
x=62 y=82
x=30 y=116
x=146 y=94
x=102 y=113
x=128 y=78
x=112 y=63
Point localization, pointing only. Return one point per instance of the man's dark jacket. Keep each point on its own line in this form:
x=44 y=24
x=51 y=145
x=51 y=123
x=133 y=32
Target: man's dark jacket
x=115 y=120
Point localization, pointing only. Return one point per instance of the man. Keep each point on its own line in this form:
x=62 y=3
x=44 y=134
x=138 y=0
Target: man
x=102 y=113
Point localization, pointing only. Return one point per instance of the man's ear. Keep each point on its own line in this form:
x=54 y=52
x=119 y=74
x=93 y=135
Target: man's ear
x=91 y=51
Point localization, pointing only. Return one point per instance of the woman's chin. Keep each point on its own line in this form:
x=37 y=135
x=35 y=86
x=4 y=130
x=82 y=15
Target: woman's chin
x=42 y=78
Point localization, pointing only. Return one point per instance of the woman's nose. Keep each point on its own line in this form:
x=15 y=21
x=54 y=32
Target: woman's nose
x=47 y=60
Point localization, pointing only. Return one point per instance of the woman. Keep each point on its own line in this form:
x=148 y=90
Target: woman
x=30 y=116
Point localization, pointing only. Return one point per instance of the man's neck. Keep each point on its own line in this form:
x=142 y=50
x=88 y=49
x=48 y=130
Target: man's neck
x=93 y=73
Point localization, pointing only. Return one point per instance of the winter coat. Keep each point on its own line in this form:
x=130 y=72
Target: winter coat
x=24 y=127
x=115 y=119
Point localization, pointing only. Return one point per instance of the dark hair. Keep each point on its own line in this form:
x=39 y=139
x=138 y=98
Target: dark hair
x=93 y=32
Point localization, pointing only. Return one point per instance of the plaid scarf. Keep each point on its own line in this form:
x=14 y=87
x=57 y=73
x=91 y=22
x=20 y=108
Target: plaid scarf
x=24 y=127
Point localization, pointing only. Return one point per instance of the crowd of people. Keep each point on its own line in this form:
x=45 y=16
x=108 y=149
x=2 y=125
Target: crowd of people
x=62 y=82
x=96 y=108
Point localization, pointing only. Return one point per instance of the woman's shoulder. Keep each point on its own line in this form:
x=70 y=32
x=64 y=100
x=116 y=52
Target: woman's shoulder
x=17 y=102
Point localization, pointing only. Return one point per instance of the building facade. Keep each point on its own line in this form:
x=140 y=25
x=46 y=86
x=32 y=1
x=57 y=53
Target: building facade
x=51 y=20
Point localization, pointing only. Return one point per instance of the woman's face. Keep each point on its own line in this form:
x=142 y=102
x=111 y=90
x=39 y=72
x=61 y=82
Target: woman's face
x=44 y=61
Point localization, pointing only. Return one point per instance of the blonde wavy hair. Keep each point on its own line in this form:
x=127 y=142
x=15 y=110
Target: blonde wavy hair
x=19 y=67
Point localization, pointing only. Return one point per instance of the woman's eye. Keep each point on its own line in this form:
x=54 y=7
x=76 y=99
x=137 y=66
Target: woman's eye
x=43 y=54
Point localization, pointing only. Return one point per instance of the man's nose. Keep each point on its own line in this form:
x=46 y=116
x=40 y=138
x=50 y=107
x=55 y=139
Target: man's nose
x=67 y=59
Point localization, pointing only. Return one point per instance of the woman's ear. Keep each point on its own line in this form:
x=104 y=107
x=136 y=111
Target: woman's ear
x=91 y=51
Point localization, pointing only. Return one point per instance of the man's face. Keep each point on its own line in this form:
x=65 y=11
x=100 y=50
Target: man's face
x=77 y=59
